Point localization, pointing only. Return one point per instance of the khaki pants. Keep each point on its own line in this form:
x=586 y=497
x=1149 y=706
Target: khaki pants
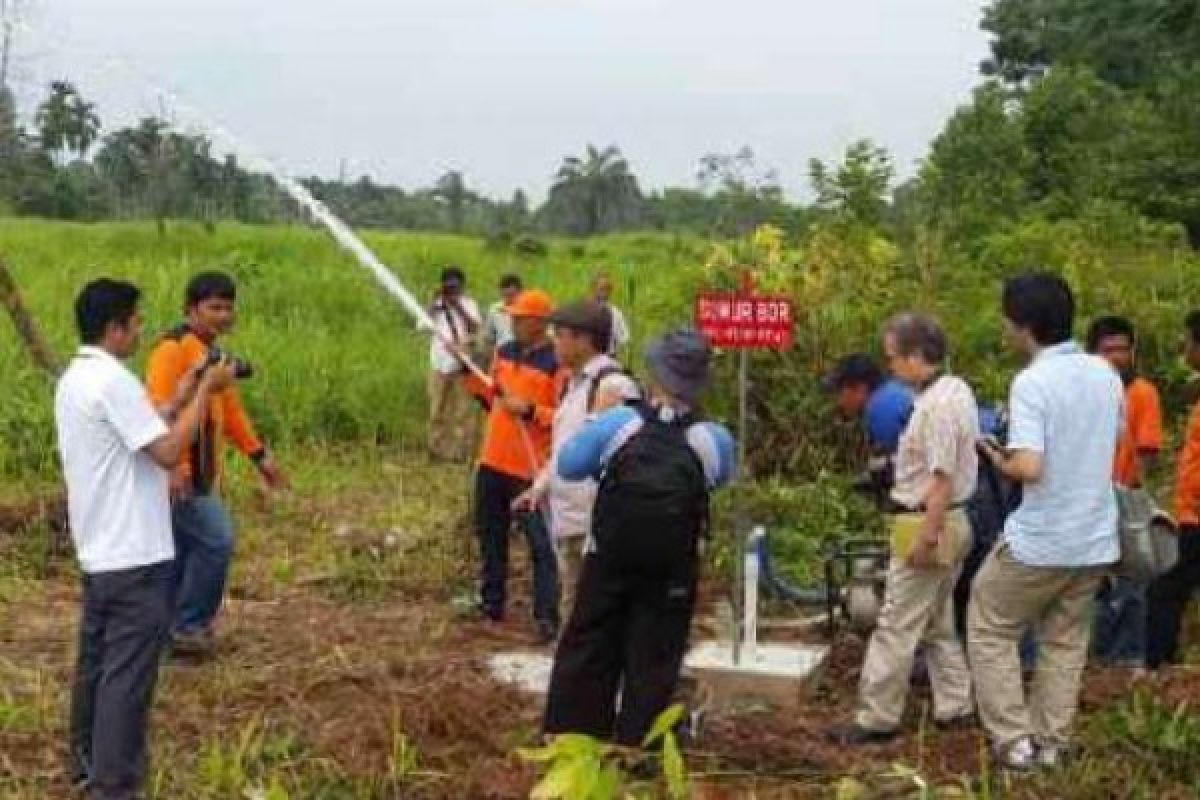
x=569 y=550
x=451 y=418
x=1007 y=598
x=918 y=605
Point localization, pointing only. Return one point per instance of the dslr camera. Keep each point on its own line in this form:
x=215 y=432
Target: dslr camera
x=241 y=369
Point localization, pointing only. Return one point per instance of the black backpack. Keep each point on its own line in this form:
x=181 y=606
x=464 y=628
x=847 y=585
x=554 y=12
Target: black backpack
x=652 y=504
x=987 y=510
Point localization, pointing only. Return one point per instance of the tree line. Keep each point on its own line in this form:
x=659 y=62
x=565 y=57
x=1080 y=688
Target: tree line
x=67 y=167
x=1083 y=104
x=1086 y=104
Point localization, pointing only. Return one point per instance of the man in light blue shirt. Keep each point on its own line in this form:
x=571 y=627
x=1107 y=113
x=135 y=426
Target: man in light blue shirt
x=860 y=389
x=1065 y=417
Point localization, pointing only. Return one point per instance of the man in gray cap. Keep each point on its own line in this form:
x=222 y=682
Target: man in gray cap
x=582 y=334
x=656 y=464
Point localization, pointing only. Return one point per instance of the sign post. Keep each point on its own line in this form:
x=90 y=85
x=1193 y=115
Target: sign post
x=744 y=321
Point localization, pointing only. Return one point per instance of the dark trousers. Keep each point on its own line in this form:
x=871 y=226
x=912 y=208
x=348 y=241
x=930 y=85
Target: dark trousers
x=125 y=624
x=1119 y=624
x=626 y=636
x=494 y=495
x=1168 y=598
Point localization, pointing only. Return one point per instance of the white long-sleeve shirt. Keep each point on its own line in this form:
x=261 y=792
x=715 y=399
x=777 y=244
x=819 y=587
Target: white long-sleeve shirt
x=453 y=326
x=620 y=330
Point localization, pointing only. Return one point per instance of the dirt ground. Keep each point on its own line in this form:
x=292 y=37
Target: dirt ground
x=349 y=660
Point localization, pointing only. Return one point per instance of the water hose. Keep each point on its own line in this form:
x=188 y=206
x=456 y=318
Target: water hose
x=772 y=581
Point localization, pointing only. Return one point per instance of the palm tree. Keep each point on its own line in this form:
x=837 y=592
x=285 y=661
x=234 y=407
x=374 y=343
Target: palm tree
x=598 y=189
x=452 y=190
x=67 y=124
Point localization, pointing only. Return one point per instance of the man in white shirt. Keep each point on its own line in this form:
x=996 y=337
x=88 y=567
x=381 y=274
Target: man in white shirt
x=602 y=290
x=598 y=382
x=498 y=329
x=117 y=450
x=457 y=326
x=936 y=469
x=1066 y=412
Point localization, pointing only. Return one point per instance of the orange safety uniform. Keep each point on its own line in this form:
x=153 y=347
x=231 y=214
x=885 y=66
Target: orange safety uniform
x=1187 y=481
x=1143 y=432
x=514 y=446
x=177 y=352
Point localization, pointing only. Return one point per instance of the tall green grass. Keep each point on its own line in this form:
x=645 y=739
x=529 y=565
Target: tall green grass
x=339 y=361
x=337 y=358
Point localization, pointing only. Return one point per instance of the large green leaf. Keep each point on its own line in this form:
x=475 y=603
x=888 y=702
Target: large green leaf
x=674 y=769
x=664 y=724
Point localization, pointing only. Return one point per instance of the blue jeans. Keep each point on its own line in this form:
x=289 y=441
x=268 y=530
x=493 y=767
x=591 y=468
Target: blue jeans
x=1119 y=632
x=203 y=551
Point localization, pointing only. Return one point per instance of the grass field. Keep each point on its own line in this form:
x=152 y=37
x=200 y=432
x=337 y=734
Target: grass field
x=350 y=666
x=338 y=360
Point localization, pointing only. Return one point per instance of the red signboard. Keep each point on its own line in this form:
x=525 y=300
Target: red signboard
x=745 y=320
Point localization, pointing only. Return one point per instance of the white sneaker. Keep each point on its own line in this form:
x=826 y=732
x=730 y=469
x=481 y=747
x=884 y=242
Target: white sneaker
x=1018 y=756
x=1051 y=755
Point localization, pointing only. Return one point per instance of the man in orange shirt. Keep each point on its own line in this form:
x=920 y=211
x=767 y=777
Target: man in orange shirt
x=203 y=530
x=1119 y=637
x=527 y=382
x=1169 y=595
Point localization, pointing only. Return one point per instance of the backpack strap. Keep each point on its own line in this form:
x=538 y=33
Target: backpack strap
x=601 y=375
x=177 y=333
x=594 y=383
x=684 y=421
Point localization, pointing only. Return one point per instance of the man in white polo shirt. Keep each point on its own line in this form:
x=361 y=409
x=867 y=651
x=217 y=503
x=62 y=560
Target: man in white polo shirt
x=936 y=467
x=116 y=450
x=1066 y=409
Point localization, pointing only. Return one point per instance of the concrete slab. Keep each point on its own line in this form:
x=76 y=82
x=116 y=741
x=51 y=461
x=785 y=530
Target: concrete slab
x=779 y=675
x=527 y=671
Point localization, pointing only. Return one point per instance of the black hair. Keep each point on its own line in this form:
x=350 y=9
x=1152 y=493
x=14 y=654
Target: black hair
x=1041 y=303
x=101 y=303
x=918 y=333
x=1193 y=325
x=601 y=340
x=453 y=273
x=1104 y=327
x=854 y=369
x=207 y=285
x=511 y=281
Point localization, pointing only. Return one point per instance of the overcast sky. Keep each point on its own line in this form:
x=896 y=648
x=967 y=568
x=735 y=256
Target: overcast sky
x=503 y=89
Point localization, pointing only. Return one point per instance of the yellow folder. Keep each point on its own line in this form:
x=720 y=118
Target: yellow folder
x=906 y=528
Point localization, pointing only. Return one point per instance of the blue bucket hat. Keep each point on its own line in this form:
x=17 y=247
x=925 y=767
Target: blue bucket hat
x=680 y=362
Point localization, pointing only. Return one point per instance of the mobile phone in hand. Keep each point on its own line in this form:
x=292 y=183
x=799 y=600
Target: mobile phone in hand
x=990 y=442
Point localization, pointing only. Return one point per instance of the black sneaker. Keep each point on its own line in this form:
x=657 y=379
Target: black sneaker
x=960 y=723
x=81 y=778
x=547 y=631
x=194 y=644
x=491 y=614
x=855 y=736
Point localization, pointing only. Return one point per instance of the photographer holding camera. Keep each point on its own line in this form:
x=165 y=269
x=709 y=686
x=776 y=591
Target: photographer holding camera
x=204 y=532
x=457 y=327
